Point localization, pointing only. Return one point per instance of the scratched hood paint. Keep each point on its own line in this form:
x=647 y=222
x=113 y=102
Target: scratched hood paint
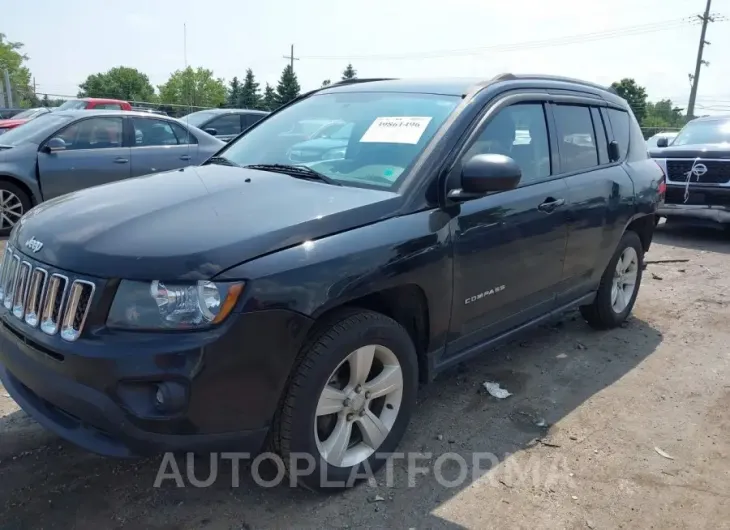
x=193 y=223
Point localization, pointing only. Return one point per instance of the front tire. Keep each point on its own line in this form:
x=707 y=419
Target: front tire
x=619 y=285
x=349 y=401
x=14 y=202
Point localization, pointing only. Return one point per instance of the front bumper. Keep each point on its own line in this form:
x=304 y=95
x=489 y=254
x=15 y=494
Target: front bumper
x=710 y=204
x=99 y=392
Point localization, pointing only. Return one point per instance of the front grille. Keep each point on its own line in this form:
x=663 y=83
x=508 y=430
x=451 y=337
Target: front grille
x=52 y=301
x=718 y=171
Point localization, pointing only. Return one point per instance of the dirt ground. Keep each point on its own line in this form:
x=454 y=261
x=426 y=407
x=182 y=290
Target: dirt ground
x=611 y=402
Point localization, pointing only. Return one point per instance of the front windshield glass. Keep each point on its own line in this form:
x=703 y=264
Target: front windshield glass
x=385 y=132
x=47 y=122
x=197 y=119
x=704 y=132
x=73 y=104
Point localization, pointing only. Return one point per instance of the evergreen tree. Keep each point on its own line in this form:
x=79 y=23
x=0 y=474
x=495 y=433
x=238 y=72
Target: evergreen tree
x=326 y=82
x=288 y=87
x=269 y=100
x=349 y=73
x=234 y=93
x=250 y=94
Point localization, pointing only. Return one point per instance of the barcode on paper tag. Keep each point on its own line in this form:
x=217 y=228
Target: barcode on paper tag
x=396 y=130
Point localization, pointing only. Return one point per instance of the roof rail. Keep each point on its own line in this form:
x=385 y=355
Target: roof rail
x=512 y=77
x=358 y=80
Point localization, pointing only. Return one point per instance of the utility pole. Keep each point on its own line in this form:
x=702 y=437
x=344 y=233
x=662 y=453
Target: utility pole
x=706 y=18
x=291 y=58
x=8 y=89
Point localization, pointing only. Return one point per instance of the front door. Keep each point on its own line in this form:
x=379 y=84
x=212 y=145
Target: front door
x=94 y=154
x=509 y=247
x=160 y=145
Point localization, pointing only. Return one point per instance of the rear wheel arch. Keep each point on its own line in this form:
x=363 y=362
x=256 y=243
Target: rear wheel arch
x=643 y=227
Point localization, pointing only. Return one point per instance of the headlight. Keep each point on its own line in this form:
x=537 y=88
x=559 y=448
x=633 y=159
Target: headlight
x=162 y=305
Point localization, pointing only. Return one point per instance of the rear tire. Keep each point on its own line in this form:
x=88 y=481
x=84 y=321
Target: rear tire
x=327 y=400
x=14 y=203
x=614 y=300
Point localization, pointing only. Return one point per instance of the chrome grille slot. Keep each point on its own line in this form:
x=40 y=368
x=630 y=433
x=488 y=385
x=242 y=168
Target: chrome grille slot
x=3 y=269
x=77 y=308
x=53 y=303
x=11 y=280
x=21 y=289
x=35 y=296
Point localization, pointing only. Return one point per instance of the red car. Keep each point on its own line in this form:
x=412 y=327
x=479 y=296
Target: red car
x=21 y=118
x=95 y=103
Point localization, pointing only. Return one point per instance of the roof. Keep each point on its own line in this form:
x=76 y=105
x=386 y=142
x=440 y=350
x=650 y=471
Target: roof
x=452 y=86
x=717 y=117
x=233 y=111
x=79 y=113
x=104 y=100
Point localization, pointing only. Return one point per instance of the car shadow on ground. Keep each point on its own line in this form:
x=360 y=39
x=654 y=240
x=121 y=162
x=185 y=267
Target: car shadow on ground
x=550 y=373
x=692 y=237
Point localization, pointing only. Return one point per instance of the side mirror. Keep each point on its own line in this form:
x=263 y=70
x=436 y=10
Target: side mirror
x=55 y=144
x=662 y=141
x=482 y=174
x=613 y=152
x=211 y=131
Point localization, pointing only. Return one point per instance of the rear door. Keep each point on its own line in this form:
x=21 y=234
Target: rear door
x=160 y=145
x=94 y=154
x=600 y=190
x=509 y=246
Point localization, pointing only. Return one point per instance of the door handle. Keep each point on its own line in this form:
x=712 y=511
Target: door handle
x=120 y=160
x=551 y=204
x=185 y=157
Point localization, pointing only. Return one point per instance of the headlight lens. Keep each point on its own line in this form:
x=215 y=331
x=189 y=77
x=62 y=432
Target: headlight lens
x=163 y=305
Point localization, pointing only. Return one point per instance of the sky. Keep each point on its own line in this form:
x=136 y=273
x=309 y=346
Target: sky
x=643 y=39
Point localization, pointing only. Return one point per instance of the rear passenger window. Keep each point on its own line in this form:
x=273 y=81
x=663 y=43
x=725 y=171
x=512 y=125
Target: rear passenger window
x=576 y=139
x=620 y=125
x=519 y=132
x=601 y=138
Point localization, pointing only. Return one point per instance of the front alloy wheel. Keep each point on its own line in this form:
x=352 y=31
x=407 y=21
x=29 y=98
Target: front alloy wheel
x=358 y=406
x=349 y=400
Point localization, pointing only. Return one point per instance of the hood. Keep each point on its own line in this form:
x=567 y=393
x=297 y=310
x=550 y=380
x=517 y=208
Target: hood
x=9 y=124
x=193 y=223
x=693 y=151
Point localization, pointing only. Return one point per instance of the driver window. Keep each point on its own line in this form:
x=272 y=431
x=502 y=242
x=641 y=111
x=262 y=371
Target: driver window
x=93 y=133
x=520 y=132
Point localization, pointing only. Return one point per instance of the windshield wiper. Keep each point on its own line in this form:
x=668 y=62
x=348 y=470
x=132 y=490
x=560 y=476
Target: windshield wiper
x=299 y=172
x=221 y=161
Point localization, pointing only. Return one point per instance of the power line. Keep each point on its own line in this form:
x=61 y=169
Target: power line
x=558 y=41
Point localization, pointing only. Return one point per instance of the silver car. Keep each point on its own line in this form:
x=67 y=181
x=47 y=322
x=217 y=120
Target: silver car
x=65 y=151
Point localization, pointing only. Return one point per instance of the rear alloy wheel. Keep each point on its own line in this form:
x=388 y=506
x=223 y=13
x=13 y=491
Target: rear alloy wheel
x=619 y=285
x=13 y=204
x=349 y=400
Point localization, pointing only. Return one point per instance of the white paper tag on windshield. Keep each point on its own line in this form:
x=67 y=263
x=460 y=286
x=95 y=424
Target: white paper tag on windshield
x=396 y=130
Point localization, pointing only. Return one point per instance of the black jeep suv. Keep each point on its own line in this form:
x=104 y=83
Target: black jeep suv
x=697 y=165
x=251 y=300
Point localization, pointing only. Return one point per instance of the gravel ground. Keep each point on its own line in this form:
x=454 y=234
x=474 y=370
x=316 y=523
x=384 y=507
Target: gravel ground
x=635 y=435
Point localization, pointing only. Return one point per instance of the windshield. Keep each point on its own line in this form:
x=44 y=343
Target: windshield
x=41 y=126
x=197 y=119
x=73 y=104
x=704 y=132
x=385 y=132
x=28 y=114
